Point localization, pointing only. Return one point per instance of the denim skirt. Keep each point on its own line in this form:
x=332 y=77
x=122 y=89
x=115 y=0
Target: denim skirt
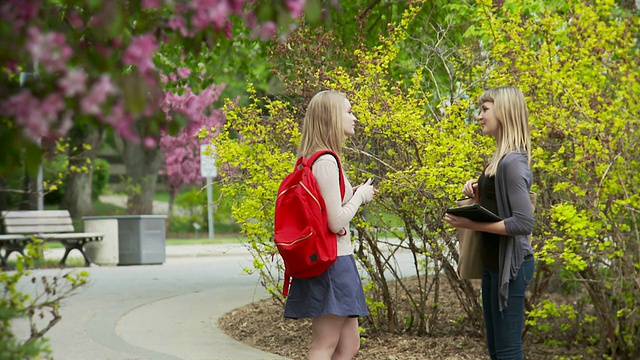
x=338 y=292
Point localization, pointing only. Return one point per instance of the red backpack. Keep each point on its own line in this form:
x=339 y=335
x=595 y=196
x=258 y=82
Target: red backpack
x=302 y=234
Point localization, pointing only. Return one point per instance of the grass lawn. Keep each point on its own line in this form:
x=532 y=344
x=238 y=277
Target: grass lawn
x=199 y=241
x=161 y=195
x=106 y=209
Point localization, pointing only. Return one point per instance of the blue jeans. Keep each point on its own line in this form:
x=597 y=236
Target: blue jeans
x=504 y=329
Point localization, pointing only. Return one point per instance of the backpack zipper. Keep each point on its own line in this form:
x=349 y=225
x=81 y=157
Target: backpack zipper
x=295 y=241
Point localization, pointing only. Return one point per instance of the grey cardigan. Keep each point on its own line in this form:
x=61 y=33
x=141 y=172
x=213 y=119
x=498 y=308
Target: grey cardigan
x=513 y=182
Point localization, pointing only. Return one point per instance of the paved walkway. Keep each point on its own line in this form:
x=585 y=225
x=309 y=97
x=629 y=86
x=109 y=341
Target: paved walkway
x=157 y=312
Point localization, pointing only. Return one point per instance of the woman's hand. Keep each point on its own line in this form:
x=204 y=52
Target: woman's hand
x=367 y=191
x=470 y=189
x=459 y=221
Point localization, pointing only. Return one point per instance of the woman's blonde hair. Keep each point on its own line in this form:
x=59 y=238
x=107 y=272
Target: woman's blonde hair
x=511 y=112
x=322 y=128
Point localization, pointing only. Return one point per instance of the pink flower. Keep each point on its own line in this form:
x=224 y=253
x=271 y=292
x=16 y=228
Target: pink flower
x=184 y=72
x=121 y=122
x=18 y=12
x=250 y=20
x=266 y=31
x=75 y=20
x=296 y=7
x=150 y=142
x=182 y=151
x=151 y=4
x=35 y=117
x=48 y=49
x=177 y=23
x=237 y=6
x=73 y=82
x=65 y=125
x=51 y=106
x=91 y=104
x=208 y=12
x=140 y=52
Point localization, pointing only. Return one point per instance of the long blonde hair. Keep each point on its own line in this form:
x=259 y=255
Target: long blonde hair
x=322 y=128
x=511 y=112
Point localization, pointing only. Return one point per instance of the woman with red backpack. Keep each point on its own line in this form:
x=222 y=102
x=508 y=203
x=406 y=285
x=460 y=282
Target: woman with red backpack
x=335 y=299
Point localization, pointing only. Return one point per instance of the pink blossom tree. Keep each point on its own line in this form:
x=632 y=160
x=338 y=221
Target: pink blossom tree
x=101 y=63
x=182 y=151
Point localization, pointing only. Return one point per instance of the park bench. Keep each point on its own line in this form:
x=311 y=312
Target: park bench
x=21 y=227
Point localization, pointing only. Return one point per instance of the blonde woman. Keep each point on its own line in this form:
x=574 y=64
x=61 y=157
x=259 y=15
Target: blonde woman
x=335 y=299
x=503 y=187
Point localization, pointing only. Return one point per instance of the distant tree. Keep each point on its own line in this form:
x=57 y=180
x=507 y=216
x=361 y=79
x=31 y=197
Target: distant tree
x=182 y=151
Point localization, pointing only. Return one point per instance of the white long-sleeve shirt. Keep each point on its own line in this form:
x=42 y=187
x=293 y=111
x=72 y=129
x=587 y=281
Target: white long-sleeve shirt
x=339 y=211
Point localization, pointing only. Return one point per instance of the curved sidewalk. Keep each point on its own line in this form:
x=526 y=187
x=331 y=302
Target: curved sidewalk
x=156 y=312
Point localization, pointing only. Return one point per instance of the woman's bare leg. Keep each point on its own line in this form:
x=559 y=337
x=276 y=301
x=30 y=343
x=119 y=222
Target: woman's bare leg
x=349 y=342
x=325 y=336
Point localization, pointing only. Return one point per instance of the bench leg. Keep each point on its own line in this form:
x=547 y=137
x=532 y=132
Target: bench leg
x=3 y=260
x=13 y=248
x=8 y=249
x=70 y=245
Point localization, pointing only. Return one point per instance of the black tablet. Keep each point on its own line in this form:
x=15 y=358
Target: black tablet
x=474 y=212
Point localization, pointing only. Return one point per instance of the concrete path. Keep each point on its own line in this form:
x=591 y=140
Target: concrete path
x=157 y=312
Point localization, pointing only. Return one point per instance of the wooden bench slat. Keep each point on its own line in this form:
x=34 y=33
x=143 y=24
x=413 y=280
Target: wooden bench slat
x=40 y=221
x=37 y=229
x=12 y=237
x=70 y=236
x=35 y=213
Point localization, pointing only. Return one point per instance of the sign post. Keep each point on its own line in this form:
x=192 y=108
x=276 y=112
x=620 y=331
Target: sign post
x=209 y=171
x=24 y=77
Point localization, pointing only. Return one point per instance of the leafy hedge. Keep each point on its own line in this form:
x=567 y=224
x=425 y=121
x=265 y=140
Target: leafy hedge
x=577 y=65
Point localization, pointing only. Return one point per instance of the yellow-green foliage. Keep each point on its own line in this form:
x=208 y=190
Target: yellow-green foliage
x=419 y=157
x=579 y=70
x=40 y=306
x=578 y=67
x=256 y=148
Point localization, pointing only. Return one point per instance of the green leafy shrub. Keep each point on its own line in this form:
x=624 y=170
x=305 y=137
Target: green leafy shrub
x=100 y=178
x=43 y=301
x=579 y=69
x=192 y=205
x=418 y=156
x=55 y=170
x=577 y=65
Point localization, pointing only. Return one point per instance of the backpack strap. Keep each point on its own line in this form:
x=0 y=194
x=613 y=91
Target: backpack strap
x=312 y=159
x=288 y=280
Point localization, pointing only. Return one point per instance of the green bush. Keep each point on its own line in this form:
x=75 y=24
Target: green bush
x=48 y=294
x=100 y=179
x=52 y=171
x=193 y=204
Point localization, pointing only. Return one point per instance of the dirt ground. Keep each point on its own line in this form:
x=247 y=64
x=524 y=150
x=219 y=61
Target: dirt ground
x=261 y=325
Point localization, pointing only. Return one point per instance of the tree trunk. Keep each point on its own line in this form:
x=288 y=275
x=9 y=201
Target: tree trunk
x=30 y=194
x=172 y=198
x=79 y=185
x=77 y=194
x=142 y=166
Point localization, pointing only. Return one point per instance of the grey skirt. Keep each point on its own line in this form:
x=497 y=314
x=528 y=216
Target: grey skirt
x=338 y=291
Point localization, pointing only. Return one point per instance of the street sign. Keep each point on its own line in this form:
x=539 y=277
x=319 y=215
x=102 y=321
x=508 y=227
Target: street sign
x=207 y=163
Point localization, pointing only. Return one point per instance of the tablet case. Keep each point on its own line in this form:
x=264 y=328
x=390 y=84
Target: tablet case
x=474 y=212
